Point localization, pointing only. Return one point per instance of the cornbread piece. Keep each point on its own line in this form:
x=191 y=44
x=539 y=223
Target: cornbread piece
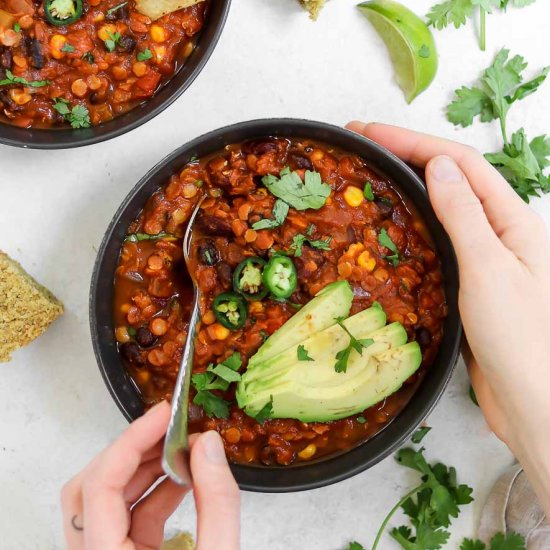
x=182 y=541
x=26 y=308
x=313 y=6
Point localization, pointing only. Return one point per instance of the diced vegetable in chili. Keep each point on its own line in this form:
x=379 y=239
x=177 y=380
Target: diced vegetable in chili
x=230 y=309
x=280 y=277
x=247 y=278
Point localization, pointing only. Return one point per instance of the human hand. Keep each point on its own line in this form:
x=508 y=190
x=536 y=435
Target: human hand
x=503 y=254
x=104 y=507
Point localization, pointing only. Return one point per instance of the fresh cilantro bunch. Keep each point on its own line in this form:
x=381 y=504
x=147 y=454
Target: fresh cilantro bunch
x=431 y=505
x=521 y=162
x=510 y=541
x=78 y=116
x=457 y=13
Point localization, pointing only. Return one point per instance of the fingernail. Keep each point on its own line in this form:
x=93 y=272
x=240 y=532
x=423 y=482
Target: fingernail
x=445 y=169
x=213 y=448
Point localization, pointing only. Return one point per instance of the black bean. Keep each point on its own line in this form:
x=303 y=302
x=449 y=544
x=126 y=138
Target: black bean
x=131 y=353
x=385 y=206
x=297 y=161
x=37 y=54
x=96 y=98
x=6 y=99
x=144 y=337
x=215 y=226
x=423 y=337
x=123 y=12
x=224 y=274
x=259 y=147
x=208 y=253
x=126 y=44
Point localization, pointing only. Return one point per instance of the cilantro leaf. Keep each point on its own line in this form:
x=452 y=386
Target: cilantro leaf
x=301 y=195
x=89 y=57
x=68 y=48
x=12 y=79
x=144 y=55
x=280 y=212
x=299 y=240
x=78 y=116
x=303 y=354
x=385 y=240
x=17 y=27
x=133 y=237
x=212 y=404
x=511 y=541
x=469 y=103
x=367 y=191
x=112 y=41
x=469 y=544
x=420 y=434
x=361 y=420
x=355 y=546
x=265 y=412
x=234 y=361
x=455 y=12
x=342 y=357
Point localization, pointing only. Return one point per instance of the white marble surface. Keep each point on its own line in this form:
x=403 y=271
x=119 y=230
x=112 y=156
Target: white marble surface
x=55 y=412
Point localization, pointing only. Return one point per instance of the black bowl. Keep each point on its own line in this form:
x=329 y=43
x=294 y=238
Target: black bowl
x=328 y=470
x=68 y=138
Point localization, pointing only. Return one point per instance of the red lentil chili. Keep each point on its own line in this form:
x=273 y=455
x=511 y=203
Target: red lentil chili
x=101 y=65
x=153 y=292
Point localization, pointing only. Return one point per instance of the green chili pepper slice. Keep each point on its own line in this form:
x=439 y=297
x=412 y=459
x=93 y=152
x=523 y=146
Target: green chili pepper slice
x=247 y=279
x=280 y=276
x=63 y=12
x=230 y=309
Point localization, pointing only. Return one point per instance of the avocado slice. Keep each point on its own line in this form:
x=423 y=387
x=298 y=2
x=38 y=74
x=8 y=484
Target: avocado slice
x=381 y=376
x=320 y=313
x=320 y=345
x=320 y=372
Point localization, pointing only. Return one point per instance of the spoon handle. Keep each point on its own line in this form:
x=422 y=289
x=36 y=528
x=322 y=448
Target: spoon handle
x=175 y=456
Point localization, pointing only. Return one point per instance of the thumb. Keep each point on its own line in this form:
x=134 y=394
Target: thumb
x=216 y=495
x=460 y=211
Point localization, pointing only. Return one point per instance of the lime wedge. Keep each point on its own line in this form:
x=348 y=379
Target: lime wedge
x=409 y=42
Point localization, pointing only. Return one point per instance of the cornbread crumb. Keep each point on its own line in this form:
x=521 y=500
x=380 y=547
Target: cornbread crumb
x=313 y=6
x=26 y=307
x=182 y=541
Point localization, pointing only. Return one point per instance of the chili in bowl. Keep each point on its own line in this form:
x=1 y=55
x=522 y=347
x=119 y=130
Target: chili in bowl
x=76 y=72
x=321 y=267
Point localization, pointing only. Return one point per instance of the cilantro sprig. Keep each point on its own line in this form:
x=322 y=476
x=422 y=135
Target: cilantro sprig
x=216 y=377
x=78 y=116
x=12 y=79
x=299 y=240
x=521 y=162
x=280 y=212
x=112 y=41
x=510 y=541
x=458 y=12
x=342 y=357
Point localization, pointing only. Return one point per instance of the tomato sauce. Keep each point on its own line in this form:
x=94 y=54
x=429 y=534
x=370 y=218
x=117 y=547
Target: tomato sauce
x=154 y=294
x=106 y=63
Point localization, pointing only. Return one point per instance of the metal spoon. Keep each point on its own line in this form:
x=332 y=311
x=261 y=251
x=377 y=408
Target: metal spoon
x=175 y=456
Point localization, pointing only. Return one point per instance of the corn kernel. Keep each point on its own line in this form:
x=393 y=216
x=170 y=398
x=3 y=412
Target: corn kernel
x=208 y=318
x=317 y=155
x=157 y=33
x=139 y=68
x=121 y=334
x=367 y=261
x=98 y=18
x=308 y=452
x=218 y=331
x=57 y=41
x=105 y=31
x=188 y=50
x=256 y=307
x=353 y=195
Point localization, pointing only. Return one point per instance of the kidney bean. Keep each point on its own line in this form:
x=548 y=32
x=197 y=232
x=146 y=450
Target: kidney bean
x=131 y=353
x=144 y=337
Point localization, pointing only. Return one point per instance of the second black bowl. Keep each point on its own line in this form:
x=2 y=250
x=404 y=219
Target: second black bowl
x=355 y=460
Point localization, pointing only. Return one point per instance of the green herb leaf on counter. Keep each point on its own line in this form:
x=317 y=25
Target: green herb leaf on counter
x=301 y=195
x=521 y=162
x=367 y=192
x=78 y=116
x=303 y=354
x=342 y=357
x=280 y=212
x=138 y=237
x=385 y=240
x=355 y=546
x=420 y=434
x=510 y=541
x=265 y=412
x=68 y=48
x=12 y=79
x=144 y=56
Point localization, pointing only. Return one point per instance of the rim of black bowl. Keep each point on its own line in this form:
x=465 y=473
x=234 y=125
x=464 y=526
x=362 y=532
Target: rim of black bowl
x=46 y=138
x=349 y=463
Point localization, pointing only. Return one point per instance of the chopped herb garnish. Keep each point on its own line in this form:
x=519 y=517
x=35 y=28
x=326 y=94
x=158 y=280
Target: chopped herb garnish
x=420 y=434
x=199 y=183
x=144 y=56
x=280 y=212
x=132 y=331
x=12 y=79
x=385 y=240
x=361 y=420
x=68 y=48
x=137 y=237
x=112 y=41
x=367 y=192
x=89 y=57
x=78 y=116
x=264 y=335
x=212 y=404
x=299 y=240
x=301 y=195
x=310 y=230
x=116 y=8
x=17 y=27
x=342 y=357
x=265 y=412
x=303 y=354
